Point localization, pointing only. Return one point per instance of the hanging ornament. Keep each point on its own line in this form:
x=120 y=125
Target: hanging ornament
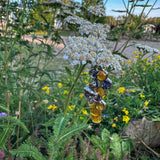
x=102 y=75
x=95 y=91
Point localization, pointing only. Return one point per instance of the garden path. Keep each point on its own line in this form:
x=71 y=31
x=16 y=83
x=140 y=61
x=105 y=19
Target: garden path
x=128 y=52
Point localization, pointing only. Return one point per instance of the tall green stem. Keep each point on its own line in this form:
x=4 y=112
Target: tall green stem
x=72 y=87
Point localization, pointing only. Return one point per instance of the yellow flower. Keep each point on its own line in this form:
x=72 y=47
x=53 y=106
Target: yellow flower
x=81 y=118
x=115 y=119
x=136 y=57
x=113 y=125
x=81 y=95
x=156 y=65
x=147 y=64
x=46 y=88
x=140 y=53
x=59 y=85
x=50 y=107
x=124 y=109
x=123 y=73
x=53 y=107
x=103 y=96
x=142 y=96
x=47 y=91
x=85 y=81
x=152 y=61
x=144 y=69
x=121 y=89
x=126 y=112
x=84 y=73
x=124 y=62
x=146 y=103
x=135 y=74
x=129 y=62
x=71 y=107
x=125 y=119
x=65 y=92
x=133 y=90
x=158 y=57
x=68 y=79
x=84 y=111
x=135 y=52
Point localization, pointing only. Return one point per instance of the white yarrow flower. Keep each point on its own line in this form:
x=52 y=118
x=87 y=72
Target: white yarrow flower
x=82 y=50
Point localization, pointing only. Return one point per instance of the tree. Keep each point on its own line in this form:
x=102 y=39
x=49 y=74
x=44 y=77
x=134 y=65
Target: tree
x=42 y=15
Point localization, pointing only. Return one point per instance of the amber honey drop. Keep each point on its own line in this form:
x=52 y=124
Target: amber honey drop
x=100 y=106
x=96 y=119
x=101 y=91
x=95 y=112
x=101 y=75
x=92 y=105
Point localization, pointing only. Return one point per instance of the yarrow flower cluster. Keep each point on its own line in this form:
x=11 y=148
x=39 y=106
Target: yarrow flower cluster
x=96 y=10
x=97 y=30
x=51 y=2
x=87 y=28
x=82 y=50
x=66 y=12
x=147 y=49
x=75 y=20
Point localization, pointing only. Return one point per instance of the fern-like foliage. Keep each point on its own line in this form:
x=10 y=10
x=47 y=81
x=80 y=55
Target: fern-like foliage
x=5 y=129
x=4 y=108
x=28 y=151
x=59 y=125
x=15 y=122
x=3 y=138
x=63 y=132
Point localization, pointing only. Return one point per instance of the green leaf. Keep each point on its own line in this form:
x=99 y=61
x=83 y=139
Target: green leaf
x=68 y=71
x=49 y=123
x=4 y=108
x=26 y=150
x=3 y=138
x=115 y=146
x=97 y=142
x=15 y=122
x=105 y=136
x=74 y=131
x=59 y=126
x=127 y=146
x=2 y=56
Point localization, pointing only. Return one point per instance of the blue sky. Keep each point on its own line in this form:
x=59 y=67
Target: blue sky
x=118 y=5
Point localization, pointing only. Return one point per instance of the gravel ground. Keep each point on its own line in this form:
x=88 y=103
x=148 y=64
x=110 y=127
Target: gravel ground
x=128 y=52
